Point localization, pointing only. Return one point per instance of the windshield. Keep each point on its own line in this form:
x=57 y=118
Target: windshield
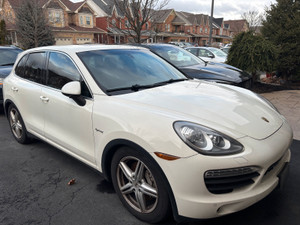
x=218 y=52
x=8 y=56
x=177 y=56
x=121 y=68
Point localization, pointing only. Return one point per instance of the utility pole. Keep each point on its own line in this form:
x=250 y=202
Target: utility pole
x=211 y=22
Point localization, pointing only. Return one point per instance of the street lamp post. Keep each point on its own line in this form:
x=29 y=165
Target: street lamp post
x=211 y=21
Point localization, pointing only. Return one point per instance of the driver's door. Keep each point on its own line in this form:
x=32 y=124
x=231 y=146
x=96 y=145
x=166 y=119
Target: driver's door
x=67 y=124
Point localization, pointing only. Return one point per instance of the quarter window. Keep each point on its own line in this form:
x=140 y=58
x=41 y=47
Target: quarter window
x=20 y=68
x=35 y=67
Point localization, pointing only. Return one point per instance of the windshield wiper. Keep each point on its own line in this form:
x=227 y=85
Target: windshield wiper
x=8 y=64
x=137 y=87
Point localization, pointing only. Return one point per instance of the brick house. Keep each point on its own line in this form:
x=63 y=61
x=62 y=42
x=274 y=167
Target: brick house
x=71 y=23
x=236 y=26
x=112 y=20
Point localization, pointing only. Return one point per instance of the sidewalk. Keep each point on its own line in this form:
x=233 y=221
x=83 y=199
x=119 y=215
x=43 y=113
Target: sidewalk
x=288 y=104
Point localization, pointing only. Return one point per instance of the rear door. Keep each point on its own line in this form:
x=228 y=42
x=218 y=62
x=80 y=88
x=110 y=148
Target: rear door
x=67 y=124
x=27 y=88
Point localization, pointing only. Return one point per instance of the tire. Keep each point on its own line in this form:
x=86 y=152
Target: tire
x=17 y=125
x=139 y=185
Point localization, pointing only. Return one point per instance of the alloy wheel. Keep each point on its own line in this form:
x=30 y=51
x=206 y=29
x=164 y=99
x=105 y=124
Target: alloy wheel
x=137 y=184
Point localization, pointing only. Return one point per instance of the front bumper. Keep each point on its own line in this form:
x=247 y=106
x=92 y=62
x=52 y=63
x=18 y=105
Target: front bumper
x=194 y=200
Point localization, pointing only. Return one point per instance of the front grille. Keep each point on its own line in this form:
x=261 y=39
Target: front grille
x=226 y=180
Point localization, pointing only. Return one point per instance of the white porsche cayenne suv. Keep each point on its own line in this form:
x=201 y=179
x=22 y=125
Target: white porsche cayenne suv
x=169 y=144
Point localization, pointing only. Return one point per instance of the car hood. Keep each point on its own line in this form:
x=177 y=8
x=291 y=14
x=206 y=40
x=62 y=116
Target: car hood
x=217 y=72
x=5 y=70
x=228 y=109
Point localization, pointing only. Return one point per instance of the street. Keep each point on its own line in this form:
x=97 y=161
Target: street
x=34 y=190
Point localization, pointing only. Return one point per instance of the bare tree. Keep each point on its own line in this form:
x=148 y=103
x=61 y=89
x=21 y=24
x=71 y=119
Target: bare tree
x=32 y=25
x=254 y=19
x=138 y=13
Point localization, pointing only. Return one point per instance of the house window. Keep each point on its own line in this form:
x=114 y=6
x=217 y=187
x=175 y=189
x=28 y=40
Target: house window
x=113 y=22
x=88 y=20
x=51 y=17
x=147 y=26
x=57 y=17
x=205 y=30
x=81 y=20
x=193 y=29
x=127 y=24
x=201 y=29
x=168 y=27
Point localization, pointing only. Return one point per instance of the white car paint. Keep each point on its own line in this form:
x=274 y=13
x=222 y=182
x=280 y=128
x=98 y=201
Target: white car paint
x=146 y=118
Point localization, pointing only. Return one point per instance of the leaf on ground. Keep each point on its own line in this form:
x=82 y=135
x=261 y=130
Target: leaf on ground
x=71 y=182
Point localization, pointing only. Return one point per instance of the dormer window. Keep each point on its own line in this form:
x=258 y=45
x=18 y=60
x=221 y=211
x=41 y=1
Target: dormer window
x=88 y=20
x=85 y=20
x=56 y=17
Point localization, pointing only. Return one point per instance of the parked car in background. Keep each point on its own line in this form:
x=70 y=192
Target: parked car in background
x=225 y=49
x=8 y=56
x=209 y=54
x=197 y=68
x=179 y=44
x=168 y=143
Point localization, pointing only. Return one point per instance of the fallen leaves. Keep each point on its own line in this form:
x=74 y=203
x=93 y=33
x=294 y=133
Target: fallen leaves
x=72 y=181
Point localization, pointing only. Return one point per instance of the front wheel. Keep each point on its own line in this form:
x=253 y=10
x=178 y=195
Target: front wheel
x=17 y=125
x=139 y=185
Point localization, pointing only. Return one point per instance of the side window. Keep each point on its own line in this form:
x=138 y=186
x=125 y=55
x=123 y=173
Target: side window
x=61 y=70
x=20 y=68
x=35 y=67
x=193 y=51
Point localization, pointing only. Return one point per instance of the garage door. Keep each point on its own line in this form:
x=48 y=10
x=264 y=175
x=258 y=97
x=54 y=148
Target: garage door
x=63 y=41
x=81 y=41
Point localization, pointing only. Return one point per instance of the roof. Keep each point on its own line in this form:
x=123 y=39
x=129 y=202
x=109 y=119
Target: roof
x=71 y=5
x=73 y=28
x=235 y=25
x=218 y=21
x=73 y=49
x=16 y=3
x=161 y=15
x=108 y=6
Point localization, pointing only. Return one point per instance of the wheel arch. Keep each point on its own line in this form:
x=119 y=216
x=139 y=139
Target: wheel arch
x=112 y=147
x=6 y=106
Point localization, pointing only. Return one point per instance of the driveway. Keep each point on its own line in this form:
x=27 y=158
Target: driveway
x=288 y=103
x=34 y=186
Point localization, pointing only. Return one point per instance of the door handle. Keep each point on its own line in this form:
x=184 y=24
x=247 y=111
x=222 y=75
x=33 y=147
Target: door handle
x=44 y=99
x=14 y=89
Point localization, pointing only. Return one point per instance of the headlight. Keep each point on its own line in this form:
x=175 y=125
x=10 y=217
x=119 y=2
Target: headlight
x=205 y=140
x=1 y=81
x=268 y=102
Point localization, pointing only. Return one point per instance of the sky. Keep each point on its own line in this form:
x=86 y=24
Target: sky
x=228 y=9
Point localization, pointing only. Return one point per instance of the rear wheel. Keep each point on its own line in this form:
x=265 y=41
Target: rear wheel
x=139 y=185
x=17 y=125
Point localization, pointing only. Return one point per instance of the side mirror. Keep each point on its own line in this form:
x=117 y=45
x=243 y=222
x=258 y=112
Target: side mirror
x=73 y=90
x=211 y=55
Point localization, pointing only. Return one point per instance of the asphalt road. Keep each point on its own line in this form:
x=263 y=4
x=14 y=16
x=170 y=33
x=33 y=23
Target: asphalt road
x=34 y=190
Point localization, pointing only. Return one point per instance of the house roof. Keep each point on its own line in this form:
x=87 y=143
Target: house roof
x=108 y=6
x=236 y=25
x=71 y=5
x=218 y=21
x=161 y=15
x=73 y=28
x=16 y=3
